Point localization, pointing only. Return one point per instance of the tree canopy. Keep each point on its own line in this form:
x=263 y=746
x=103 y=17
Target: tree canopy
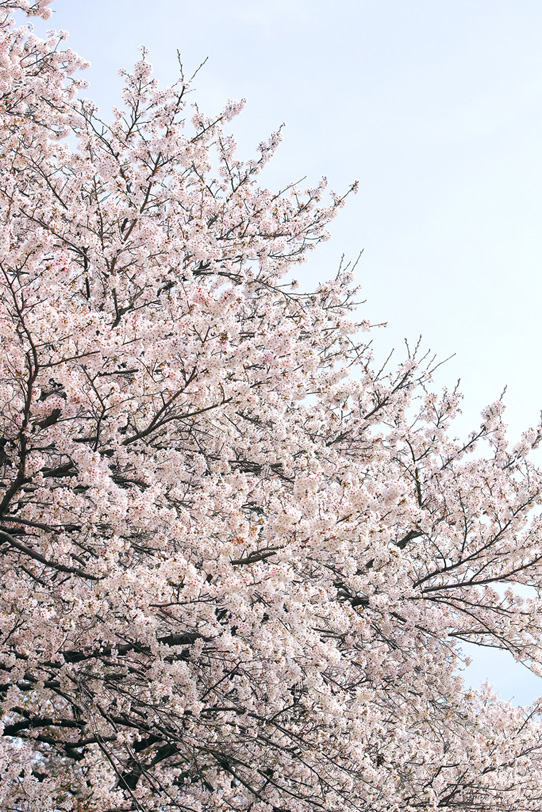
x=238 y=558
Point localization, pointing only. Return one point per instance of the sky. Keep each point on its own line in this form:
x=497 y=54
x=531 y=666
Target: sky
x=435 y=107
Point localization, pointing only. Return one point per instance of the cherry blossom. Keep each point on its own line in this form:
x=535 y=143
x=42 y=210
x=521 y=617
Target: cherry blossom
x=238 y=559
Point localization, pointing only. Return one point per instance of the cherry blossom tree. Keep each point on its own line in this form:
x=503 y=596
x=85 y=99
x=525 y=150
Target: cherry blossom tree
x=238 y=559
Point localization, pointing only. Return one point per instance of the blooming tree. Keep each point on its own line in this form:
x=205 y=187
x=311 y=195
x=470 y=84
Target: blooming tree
x=237 y=559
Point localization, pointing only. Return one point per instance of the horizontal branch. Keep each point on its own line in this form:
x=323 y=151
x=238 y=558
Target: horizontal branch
x=257 y=555
x=23 y=548
x=184 y=639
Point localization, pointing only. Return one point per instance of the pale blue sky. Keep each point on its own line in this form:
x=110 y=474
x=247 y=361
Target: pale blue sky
x=435 y=106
